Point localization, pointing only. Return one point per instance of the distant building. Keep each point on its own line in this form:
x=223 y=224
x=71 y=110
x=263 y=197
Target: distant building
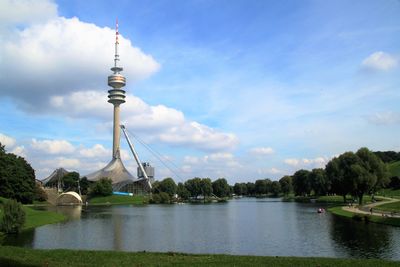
x=149 y=171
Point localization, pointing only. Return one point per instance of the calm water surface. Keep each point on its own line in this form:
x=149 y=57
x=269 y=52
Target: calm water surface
x=246 y=226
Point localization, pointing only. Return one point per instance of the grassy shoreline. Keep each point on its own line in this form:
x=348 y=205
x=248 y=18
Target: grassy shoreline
x=119 y=200
x=16 y=256
x=337 y=210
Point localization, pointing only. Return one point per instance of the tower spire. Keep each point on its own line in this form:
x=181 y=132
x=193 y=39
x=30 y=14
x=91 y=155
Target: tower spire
x=116 y=58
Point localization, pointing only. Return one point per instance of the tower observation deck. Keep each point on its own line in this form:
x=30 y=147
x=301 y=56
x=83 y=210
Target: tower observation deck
x=122 y=180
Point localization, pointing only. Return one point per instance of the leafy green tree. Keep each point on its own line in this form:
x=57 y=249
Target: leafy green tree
x=102 y=187
x=275 y=188
x=370 y=174
x=206 y=187
x=165 y=198
x=286 y=185
x=221 y=187
x=182 y=191
x=268 y=186
x=319 y=182
x=301 y=183
x=261 y=187
x=340 y=173
x=17 y=177
x=251 y=188
x=156 y=187
x=240 y=189
x=70 y=181
x=39 y=194
x=13 y=217
x=194 y=186
x=84 y=184
x=168 y=186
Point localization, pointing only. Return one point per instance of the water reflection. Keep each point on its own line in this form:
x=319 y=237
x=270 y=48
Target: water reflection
x=245 y=227
x=362 y=240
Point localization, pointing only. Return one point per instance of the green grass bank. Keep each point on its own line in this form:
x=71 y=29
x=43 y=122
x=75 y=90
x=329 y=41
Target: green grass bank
x=119 y=200
x=16 y=256
x=337 y=210
x=36 y=218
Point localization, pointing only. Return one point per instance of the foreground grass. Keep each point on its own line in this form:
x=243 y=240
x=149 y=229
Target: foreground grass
x=117 y=200
x=16 y=256
x=337 y=210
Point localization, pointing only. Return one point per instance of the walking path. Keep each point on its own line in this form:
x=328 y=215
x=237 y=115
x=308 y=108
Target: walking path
x=366 y=208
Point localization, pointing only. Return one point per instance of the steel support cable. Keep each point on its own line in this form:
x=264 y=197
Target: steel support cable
x=157 y=155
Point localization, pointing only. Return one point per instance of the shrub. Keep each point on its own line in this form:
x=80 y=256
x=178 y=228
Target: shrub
x=155 y=199
x=164 y=198
x=13 y=217
x=102 y=187
x=39 y=194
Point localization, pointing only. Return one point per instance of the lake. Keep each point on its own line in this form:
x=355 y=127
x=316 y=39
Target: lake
x=246 y=226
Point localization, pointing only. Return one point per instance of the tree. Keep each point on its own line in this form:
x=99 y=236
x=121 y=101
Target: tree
x=394 y=182
x=301 y=183
x=70 y=181
x=221 y=188
x=319 y=182
x=17 y=177
x=39 y=194
x=286 y=184
x=275 y=188
x=240 y=189
x=371 y=173
x=182 y=191
x=102 y=187
x=84 y=184
x=261 y=187
x=168 y=186
x=251 y=188
x=206 y=187
x=13 y=218
x=194 y=186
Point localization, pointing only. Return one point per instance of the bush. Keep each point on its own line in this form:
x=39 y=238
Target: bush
x=102 y=187
x=164 y=198
x=39 y=194
x=13 y=217
x=155 y=199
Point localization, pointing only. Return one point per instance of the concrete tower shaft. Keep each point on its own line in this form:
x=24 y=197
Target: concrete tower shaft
x=116 y=96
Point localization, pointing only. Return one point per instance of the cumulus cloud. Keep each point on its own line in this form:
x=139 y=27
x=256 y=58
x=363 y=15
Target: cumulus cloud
x=95 y=151
x=384 y=118
x=262 y=151
x=53 y=146
x=19 y=151
x=318 y=162
x=62 y=55
x=26 y=11
x=7 y=141
x=380 y=61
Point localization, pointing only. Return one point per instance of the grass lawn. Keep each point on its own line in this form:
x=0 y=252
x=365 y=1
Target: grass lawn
x=364 y=217
x=16 y=256
x=395 y=207
x=394 y=168
x=389 y=193
x=35 y=218
x=116 y=199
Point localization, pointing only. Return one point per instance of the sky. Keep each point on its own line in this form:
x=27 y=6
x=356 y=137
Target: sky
x=238 y=89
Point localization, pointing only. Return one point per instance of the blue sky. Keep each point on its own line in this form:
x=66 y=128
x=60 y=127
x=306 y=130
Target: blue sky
x=235 y=89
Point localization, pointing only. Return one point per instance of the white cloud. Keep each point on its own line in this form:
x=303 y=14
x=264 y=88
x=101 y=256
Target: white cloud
x=97 y=150
x=268 y=171
x=53 y=146
x=67 y=163
x=262 y=151
x=385 y=118
x=380 y=61
x=7 y=141
x=63 y=55
x=159 y=123
x=318 y=162
x=19 y=151
x=26 y=11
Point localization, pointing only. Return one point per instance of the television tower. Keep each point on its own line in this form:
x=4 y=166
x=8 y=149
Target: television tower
x=116 y=96
x=115 y=169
